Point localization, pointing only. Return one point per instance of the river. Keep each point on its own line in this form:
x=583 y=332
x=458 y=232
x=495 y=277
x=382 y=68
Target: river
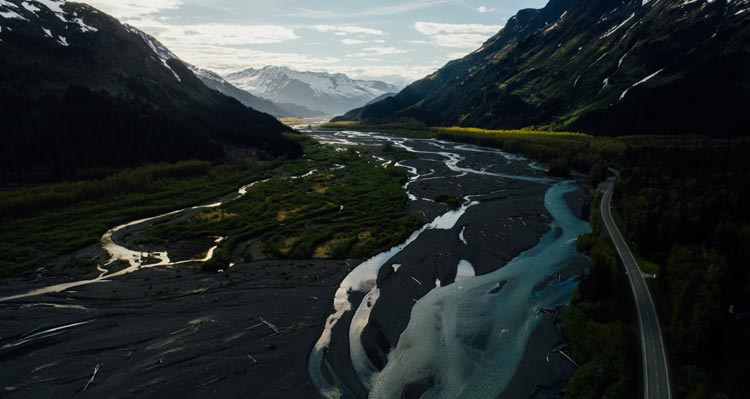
x=451 y=312
x=467 y=325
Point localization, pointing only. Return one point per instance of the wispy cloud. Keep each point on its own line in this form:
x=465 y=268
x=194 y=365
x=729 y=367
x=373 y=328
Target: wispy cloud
x=216 y=34
x=396 y=9
x=345 y=30
x=485 y=10
x=134 y=9
x=354 y=42
x=385 y=50
x=457 y=35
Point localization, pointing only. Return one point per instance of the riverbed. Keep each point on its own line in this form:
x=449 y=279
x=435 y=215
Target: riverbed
x=457 y=309
x=452 y=311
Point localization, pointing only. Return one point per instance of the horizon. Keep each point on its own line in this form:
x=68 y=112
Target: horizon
x=406 y=42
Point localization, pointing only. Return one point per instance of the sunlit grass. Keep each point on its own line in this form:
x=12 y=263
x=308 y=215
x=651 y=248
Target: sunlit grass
x=518 y=132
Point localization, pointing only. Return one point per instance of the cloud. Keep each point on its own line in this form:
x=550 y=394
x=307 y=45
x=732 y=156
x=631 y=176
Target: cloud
x=386 y=50
x=386 y=72
x=221 y=34
x=402 y=8
x=352 y=42
x=485 y=10
x=457 y=35
x=432 y=28
x=345 y=30
x=134 y=9
x=225 y=60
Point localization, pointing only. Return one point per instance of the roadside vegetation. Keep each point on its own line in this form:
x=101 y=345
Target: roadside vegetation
x=597 y=324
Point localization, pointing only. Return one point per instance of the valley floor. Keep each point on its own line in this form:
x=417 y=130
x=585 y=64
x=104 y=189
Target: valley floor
x=176 y=332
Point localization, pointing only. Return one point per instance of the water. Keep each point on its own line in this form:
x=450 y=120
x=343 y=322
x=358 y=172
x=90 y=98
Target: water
x=470 y=340
x=466 y=339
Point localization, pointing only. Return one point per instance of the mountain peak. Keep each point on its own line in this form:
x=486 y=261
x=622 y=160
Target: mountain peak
x=333 y=93
x=56 y=21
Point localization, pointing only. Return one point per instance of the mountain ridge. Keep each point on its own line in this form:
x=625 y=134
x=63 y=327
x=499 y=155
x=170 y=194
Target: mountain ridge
x=602 y=66
x=330 y=93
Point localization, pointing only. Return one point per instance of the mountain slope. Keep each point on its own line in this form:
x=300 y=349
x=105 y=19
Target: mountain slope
x=331 y=93
x=381 y=98
x=600 y=66
x=78 y=90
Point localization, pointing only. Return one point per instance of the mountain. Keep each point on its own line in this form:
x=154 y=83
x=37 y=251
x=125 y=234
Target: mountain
x=599 y=66
x=330 y=93
x=216 y=82
x=279 y=110
x=78 y=90
x=381 y=98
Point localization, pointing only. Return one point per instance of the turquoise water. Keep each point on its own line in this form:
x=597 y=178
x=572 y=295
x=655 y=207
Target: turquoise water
x=472 y=341
x=463 y=336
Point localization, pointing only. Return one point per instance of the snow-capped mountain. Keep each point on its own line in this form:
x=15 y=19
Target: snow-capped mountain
x=216 y=82
x=54 y=22
x=331 y=93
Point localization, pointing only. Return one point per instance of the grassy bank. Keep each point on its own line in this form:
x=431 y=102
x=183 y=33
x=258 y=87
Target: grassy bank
x=42 y=222
x=294 y=218
x=340 y=213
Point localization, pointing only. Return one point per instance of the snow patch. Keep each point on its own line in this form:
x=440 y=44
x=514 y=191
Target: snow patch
x=616 y=28
x=642 y=81
x=11 y=14
x=84 y=28
x=30 y=7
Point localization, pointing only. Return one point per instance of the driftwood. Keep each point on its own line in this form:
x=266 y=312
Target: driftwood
x=270 y=325
x=252 y=359
x=569 y=358
x=217 y=379
x=91 y=380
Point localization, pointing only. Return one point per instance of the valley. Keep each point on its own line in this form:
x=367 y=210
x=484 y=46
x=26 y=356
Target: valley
x=248 y=199
x=155 y=355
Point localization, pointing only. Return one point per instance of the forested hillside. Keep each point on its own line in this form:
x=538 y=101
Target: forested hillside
x=598 y=66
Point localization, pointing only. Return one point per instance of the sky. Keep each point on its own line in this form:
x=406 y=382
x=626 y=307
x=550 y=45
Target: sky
x=366 y=39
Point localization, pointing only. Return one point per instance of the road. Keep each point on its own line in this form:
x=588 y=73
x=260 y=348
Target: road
x=655 y=368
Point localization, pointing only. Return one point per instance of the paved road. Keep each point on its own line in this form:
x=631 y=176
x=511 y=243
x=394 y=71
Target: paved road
x=655 y=368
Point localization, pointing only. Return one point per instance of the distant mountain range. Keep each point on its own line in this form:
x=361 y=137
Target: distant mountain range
x=599 y=66
x=216 y=82
x=331 y=93
x=79 y=90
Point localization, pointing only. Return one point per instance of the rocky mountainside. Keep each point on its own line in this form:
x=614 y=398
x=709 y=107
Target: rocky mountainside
x=599 y=66
x=330 y=93
x=78 y=90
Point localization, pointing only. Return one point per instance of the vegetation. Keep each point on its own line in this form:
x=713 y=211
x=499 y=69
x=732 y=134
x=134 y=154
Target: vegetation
x=683 y=205
x=40 y=223
x=580 y=72
x=681 y=202
x=596 y=324
x=349 y=212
